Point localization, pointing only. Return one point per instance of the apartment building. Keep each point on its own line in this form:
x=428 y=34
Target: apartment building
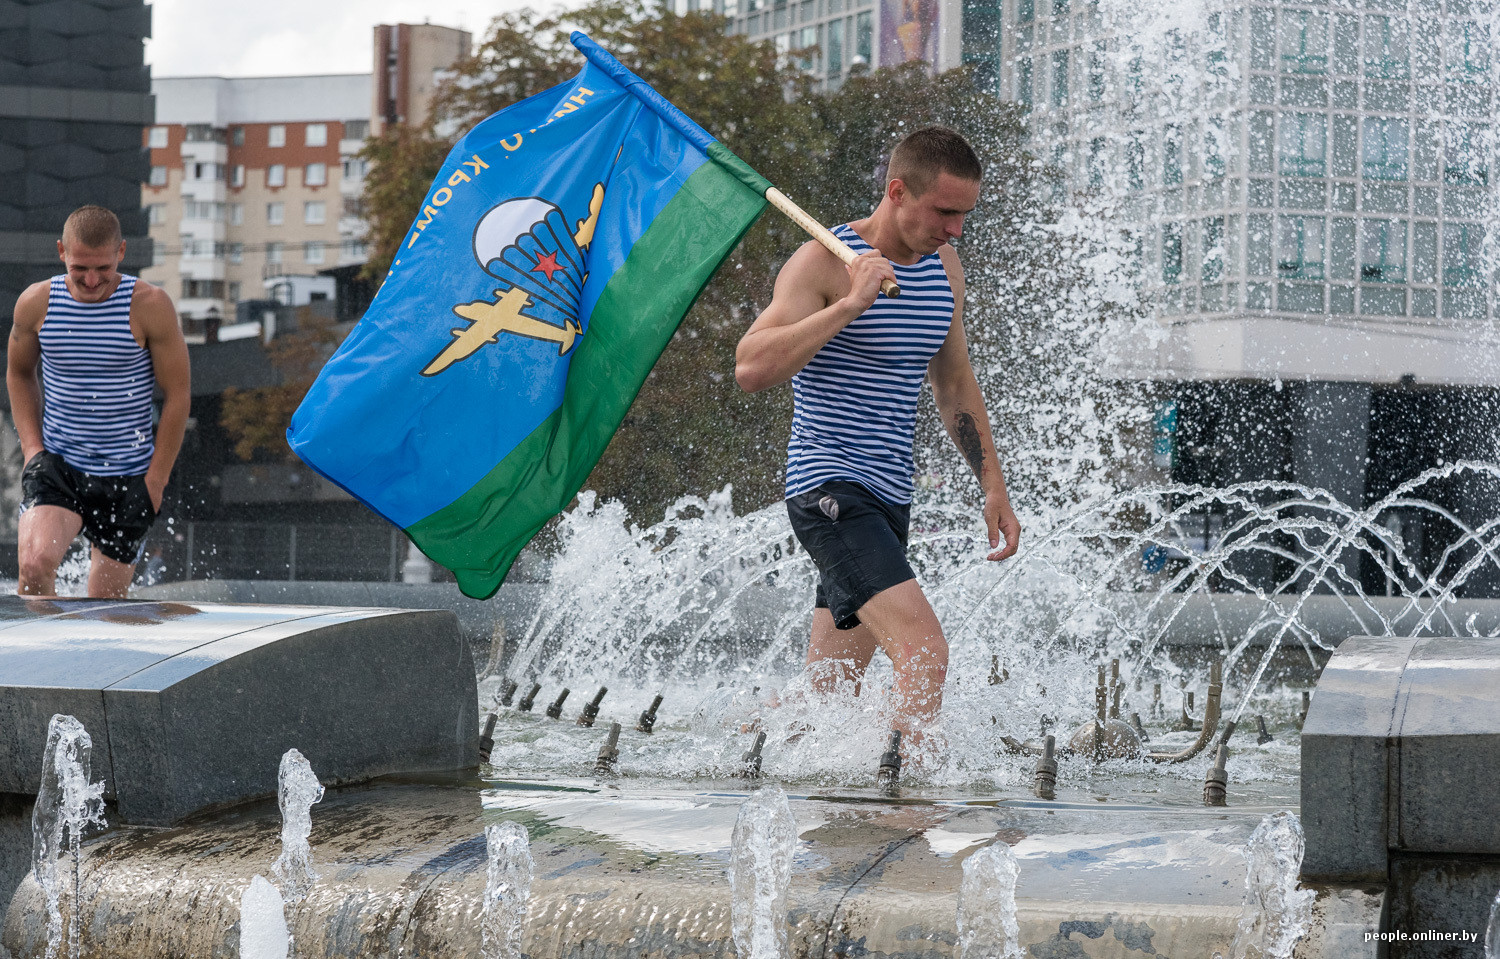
x=253 y=190
x=411 y=59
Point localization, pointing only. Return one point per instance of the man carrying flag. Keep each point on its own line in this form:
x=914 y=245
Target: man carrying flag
x=560 y=246
x=857 y=361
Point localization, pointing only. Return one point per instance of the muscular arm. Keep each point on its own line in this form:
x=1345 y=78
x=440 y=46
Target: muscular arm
x=157 y=320
x=22 y=358
x=961 y=406
x=815 y=297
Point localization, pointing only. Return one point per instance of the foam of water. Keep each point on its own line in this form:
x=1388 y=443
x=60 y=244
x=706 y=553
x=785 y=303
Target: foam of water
x=987 y=925
x=297 y=790
x=263 y=932
x=507 y=890
x=1276 y=914
x=66 y=804
x=1492 y=931
x=760 y=870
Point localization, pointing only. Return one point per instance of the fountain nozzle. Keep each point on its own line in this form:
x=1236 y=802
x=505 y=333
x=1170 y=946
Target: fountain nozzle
x=1216 y=782
x=889 y=776
x=530 y=698
x=1044 y=784
x=998 y=675
x=507 y=691
x=1306 y=702
x=591 y=709
x=487 y=738
x=750 y=762
x=555 y=710
x=1265 y=734
x=648 y=718
x=609 y=753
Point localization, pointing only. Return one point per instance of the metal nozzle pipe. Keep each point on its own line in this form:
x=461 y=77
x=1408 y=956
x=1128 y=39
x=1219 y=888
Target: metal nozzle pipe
x=889 y=775
x=1216 y=782
x=507 y=691
x=1135 y=723
x=648 y=718
x=555 y=710
x=997 y=675
x=487 y=738
x=750 y=762
x=530 y=698
x=591 y=709
x=609 y=753
x=1044 y=781
x=1101 y=699
x=1306 y=702
x=1114 y=703
x=1210 y=722
x=1156 y=701
x=1264 y=735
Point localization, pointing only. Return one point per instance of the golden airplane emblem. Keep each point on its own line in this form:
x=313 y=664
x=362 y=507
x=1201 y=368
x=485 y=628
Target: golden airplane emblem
x=489 y=318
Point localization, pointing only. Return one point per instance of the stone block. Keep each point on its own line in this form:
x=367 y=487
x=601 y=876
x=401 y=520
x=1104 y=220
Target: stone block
x=191 y=705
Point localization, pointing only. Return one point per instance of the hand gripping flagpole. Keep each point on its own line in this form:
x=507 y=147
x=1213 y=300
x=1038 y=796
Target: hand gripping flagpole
x=602 y=58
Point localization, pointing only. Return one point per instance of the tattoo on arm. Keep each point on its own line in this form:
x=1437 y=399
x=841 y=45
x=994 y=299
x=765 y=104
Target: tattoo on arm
x=966 y=437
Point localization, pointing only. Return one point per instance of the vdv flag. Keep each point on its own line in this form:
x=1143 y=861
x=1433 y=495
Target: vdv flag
x=557 y=251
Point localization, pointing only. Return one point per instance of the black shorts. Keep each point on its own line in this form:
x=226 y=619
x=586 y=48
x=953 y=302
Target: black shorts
x=858 y=542
x=116 y=510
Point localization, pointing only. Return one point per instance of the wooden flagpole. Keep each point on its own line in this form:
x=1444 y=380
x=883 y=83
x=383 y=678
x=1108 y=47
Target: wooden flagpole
x=821 y=233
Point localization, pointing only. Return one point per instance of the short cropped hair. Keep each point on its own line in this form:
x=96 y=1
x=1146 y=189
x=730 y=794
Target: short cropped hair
x=923 y=154
x=93 y=227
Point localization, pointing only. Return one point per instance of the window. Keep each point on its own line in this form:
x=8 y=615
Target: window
x=355 y=250
x=156 y=214
x=1468 y=52
x=1304 y=144
x=1059 y=8
x=354 y=169
x=1171 y=252
x=1214 y=150
x=1300 y=248
x=1060 y=78
x=316 y=174
x=203 y=133
x=807 y=39
x=237 y=178
x=1096 y=163
x=864 y=36
x=208 y=171
x=275 y=213
x=1304 y=41
x=273 y=252
x=1135 y=162
x=1025 y=10
x=236 y=214
x=158 y=253
x=1386 y=47
x=276 y=135
x=1383 y=258
x=236 y=253
x=1213 y=249
x=1464 y=159
x=157 y=139
x=835 y=48
x=234 y=291
x=316 y=135
x=158 y=176
x=237 y=136
x=1171 y=157
x=314 y=212
x=1096 y=72
x=356 y=129
x=1462 y=254
x=202 y=289
x=1385 y=149
x=312 y=251
x=353 y=206
x=1024 y=81
x=276 y=175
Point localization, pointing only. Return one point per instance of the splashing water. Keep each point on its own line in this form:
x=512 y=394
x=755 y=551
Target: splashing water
x=66 y=804
x=1492 y=931
x=297 y=789
x=987 y=925
x=1276 y=913
x=507 y=889
x=760 y=870
x=263 y=932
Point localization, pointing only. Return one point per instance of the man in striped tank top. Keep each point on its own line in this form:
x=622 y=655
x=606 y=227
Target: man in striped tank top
x=857 y=361
x=103 y=342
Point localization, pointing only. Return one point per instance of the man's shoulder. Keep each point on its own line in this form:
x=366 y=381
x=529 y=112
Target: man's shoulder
x=31 y=305
x=148 y=295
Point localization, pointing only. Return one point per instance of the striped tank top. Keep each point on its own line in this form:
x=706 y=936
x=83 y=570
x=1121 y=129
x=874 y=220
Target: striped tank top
x=97 y=383
x=856 y=399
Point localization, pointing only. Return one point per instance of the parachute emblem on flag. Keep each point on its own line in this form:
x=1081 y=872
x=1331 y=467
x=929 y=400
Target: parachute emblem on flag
x=525 y=243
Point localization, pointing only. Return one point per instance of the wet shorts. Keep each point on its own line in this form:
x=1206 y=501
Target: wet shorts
x=858 y=542
x=116 y=510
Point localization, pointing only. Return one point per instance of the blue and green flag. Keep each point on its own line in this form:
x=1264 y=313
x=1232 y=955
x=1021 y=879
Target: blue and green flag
x=557 y=251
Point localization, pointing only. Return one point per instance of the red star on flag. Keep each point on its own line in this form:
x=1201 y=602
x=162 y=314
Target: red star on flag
x=548 y=265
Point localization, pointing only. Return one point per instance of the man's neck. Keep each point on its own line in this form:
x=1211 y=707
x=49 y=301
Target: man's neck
x=879 y=230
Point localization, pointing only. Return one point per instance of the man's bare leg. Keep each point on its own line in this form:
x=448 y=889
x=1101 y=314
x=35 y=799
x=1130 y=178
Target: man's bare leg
x=44 y=535
x=836 y=655
x=908 y=631
x=109 y=578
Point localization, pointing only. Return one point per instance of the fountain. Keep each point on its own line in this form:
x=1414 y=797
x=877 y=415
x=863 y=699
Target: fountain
x=67 y=804
x=506 y=890
x=987 y=927
x=760 y=869
x=298 y=790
